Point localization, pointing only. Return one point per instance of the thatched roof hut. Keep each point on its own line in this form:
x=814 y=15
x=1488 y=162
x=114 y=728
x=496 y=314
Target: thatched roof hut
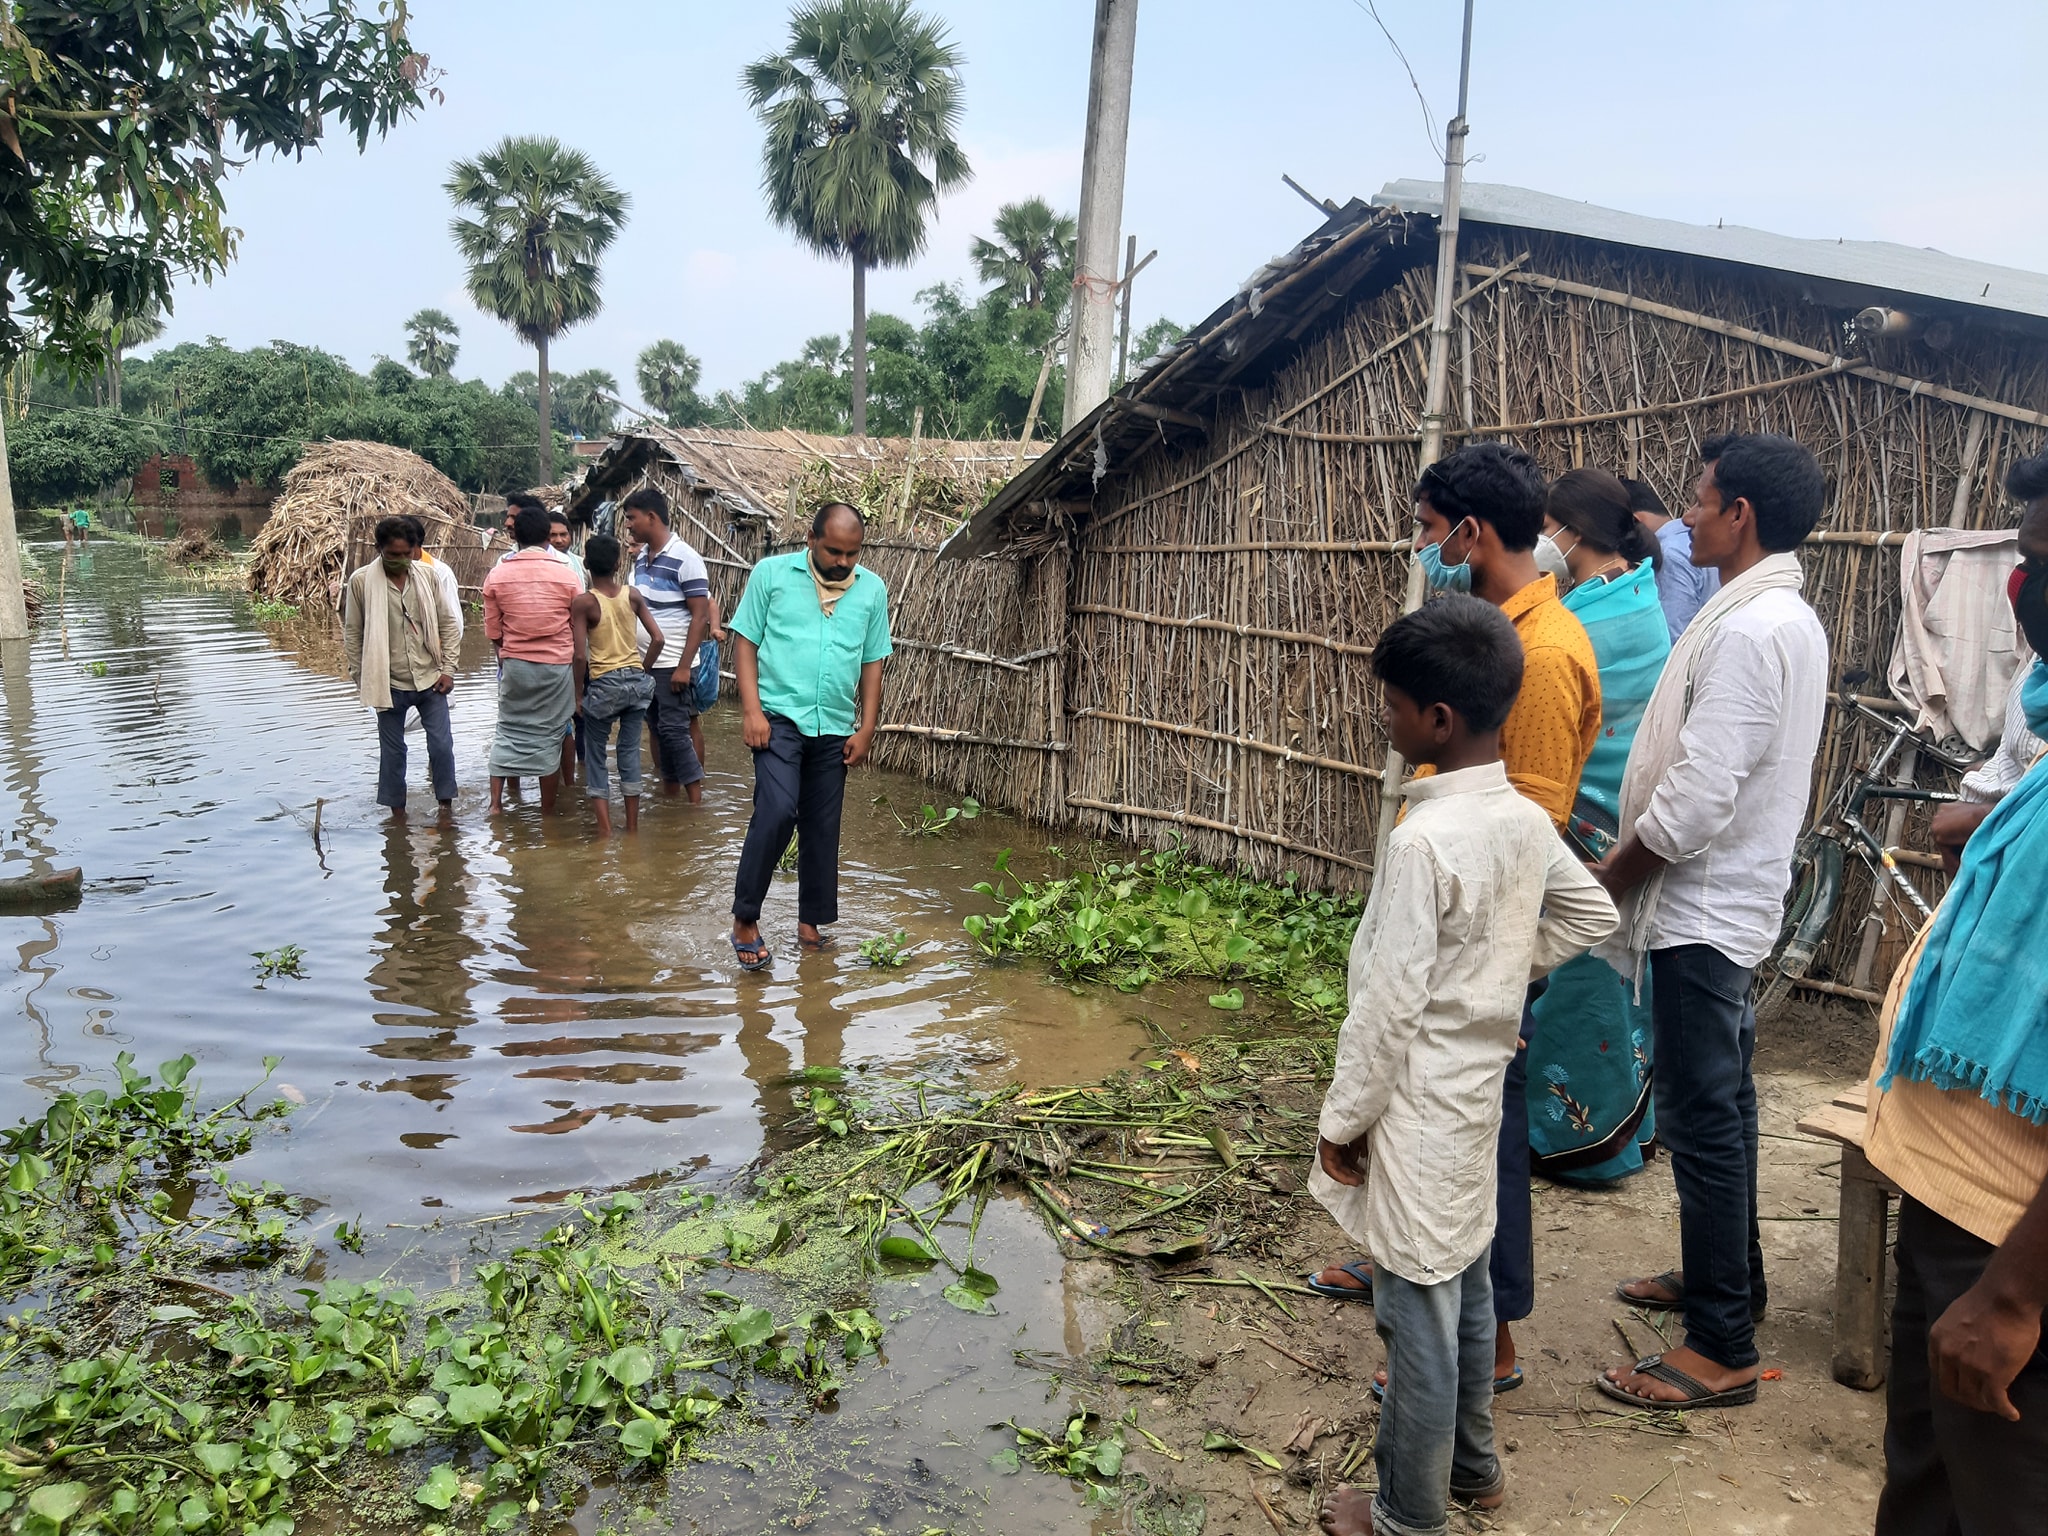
x=1237 y=517
x=321 y=525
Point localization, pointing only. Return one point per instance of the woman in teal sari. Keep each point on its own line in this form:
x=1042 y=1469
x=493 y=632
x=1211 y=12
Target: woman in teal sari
x=1589 y=1058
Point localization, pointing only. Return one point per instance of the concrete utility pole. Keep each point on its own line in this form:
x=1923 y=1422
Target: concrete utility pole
x=13 y=608
x=1436 y=390
x=1092 y=326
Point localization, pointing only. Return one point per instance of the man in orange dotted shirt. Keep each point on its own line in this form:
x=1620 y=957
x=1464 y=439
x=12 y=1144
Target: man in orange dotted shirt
x=1478 y=515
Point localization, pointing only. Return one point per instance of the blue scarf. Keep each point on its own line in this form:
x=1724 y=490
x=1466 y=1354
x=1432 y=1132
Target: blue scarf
x=1975 y=1014
x=1622 y=616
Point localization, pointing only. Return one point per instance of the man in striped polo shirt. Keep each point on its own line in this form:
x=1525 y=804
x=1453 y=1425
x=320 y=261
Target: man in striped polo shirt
x=671 y=577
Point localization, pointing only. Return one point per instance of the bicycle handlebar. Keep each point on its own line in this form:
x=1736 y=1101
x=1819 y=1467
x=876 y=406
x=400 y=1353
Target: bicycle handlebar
x=1897 y=726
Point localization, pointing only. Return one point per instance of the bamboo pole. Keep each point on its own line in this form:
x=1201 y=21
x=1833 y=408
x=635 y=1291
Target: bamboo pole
x=1223 y=627
x=952 y=738
x=1288 y=754
x=1188 y=818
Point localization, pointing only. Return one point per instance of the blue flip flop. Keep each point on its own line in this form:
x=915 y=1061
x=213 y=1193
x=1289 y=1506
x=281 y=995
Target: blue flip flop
x=1501 y=1384
x=752 y=956
x=1357 y=1271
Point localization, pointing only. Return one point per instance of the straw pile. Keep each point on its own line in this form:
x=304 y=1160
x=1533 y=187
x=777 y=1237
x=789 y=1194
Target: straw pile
x=195 y=546
x=336 y=492
x=32 y=596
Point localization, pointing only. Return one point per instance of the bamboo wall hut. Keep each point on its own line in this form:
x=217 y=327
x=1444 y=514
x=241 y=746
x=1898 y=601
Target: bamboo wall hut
x=970 y=699
x=1233 y=524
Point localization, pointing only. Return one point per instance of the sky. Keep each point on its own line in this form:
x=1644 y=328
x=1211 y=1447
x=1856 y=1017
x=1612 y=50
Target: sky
x=1825 y=118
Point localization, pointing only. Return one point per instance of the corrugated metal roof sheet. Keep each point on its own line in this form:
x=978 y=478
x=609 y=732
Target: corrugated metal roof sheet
x=1865 y=263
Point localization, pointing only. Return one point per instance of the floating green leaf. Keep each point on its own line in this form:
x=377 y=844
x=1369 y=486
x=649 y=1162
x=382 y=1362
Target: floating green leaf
x=57 y=1502
x=475 y=1405
x=440 y=1488
x=1229 y=1002
x=905 y=1250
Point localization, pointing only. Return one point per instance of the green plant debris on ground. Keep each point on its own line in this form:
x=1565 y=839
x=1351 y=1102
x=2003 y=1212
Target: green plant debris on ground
x=930 y=821
x=264 y=611
x=165 y=1368
x=1160 y=915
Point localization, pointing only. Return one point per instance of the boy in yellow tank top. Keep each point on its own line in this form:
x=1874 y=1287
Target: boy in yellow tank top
x=614 y=682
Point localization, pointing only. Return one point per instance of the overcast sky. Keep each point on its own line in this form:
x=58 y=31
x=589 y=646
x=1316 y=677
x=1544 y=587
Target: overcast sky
x=1875 y=119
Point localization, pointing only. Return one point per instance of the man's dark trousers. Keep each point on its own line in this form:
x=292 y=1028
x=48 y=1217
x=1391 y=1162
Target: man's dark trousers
x=1706 y=1116
x=1950 y=1469
x=800 y=787
x=433 y=708
x=1512 y=1264
x=668 y=717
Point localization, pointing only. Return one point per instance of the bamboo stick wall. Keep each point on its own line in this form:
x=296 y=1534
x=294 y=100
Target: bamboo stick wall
x=1191 y=666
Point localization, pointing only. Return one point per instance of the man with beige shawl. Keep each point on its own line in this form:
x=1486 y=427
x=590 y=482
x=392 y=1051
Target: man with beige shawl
x=402 y=640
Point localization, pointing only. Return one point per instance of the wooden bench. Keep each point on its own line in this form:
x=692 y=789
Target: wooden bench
x=1861 y=1327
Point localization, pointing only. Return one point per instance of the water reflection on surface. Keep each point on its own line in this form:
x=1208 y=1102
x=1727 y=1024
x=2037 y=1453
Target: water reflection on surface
x=490 y=1014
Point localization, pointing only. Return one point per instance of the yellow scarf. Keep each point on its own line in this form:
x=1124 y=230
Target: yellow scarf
x=829 y=592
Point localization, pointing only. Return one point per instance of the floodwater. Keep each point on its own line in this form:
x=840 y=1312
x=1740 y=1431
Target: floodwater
x=496 y=1013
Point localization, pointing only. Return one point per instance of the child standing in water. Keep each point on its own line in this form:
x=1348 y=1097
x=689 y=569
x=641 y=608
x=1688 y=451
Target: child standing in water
x=1479 y=897
x=613 y=680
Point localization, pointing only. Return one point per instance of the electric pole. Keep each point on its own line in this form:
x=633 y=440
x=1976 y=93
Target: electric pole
x=1092 y=325
x=1436 y=390
x=13 y=607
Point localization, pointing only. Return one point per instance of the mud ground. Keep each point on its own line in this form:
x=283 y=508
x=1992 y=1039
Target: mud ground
x=1806 y=1458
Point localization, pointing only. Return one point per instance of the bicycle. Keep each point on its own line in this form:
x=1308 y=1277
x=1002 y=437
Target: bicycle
x=1820 y=858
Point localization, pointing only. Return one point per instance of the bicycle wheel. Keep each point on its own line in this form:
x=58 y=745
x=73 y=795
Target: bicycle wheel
x=1807 y=912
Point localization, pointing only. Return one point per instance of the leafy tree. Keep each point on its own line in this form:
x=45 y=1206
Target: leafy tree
x=861 y=109
x=584 y=400
x=430 y=344
x=667 y=374
x=56 y=456
x=120 y=120
x=1032 y=254
x=541 y=216
x=1154 y=339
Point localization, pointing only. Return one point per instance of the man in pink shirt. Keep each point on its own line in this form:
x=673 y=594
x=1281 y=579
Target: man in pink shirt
x=526 y=615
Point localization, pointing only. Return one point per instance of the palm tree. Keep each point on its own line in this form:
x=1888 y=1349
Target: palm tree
x=667 y=374
x=1033 y=249
x=587 y=401
x=861 y=110
x=135 y=331
x=543 y=215
x=430 y=343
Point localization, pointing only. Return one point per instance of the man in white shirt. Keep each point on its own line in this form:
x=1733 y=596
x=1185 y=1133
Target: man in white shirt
x=1479 y=897
x=1712 y=802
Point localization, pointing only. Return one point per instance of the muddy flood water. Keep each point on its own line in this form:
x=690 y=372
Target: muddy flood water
x=497 y=1013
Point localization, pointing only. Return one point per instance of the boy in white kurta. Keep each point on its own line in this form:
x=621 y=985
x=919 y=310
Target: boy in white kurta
x=1479 y=896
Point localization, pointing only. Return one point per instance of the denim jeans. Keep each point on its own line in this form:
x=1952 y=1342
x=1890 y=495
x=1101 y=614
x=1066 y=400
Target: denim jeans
x=1436 y=1426
x=1706 y=1115
x=1511 y=1267
x=1948 y=1468
x=614 y=698
x=800 y=787
x=669 y=714
x=433 y=708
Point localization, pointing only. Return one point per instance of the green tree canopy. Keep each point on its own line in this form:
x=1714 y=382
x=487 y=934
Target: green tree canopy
x=120 y=120
x=667 y=374
x=56 y=456
x=430 y=343
x=587 y=401
x=535 y=217
x=1032 y=254
x=861 y=110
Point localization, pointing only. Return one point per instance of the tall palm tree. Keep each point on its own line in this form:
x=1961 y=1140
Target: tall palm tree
x=667 y=374
x=587 y=401
x=1033 y=249
x=136 y=331
x=430 y=343
x=861 y=110
x=542 y=215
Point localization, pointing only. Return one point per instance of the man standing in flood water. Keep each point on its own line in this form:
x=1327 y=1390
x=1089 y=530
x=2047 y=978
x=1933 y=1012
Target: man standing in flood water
x=809 y=640
x=526 y=614
x=401 y=640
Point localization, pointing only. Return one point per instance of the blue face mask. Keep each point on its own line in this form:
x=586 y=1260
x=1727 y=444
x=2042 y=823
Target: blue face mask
x=1442 y=577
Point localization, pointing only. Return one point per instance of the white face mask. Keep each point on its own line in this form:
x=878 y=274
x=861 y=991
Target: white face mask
x=1550 y=558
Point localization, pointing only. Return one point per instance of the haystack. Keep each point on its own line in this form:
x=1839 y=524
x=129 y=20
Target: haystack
x=195 y=546
x=32 y=598
x=321 y=526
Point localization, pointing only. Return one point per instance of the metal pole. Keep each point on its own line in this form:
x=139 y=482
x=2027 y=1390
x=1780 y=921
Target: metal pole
x=1123 y=325
x=1436 y=389
x=1092 y=327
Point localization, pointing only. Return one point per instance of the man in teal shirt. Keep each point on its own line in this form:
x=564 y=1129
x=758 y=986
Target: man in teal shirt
x=808 y=644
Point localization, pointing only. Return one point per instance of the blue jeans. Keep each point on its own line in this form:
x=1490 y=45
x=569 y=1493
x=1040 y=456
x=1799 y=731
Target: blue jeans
x=669 y=715
x=614 y=697
x=1436 y=1427
x=1706 y=1116
x=433 y=708
x=800 y=788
